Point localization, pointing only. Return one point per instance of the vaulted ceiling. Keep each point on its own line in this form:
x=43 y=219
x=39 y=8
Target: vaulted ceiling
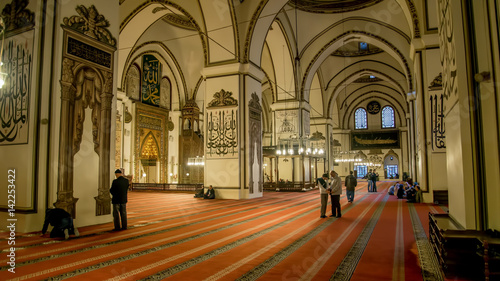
x=333 y=55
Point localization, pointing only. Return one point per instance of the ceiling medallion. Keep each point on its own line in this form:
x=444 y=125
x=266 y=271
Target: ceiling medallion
x=329 y=6
x=373 y=107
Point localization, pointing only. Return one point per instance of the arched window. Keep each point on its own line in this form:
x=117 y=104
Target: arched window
x=360 y=119
x=388 y=117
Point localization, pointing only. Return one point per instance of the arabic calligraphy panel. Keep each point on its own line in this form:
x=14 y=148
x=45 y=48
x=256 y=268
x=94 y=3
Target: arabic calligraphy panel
x=222 y=133
x=371 y=140
x=15 y=95
x=151 y=69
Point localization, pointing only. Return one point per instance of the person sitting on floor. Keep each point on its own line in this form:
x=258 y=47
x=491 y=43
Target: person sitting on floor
x=391 y=189
x=210 y=194
x=61 y=221
x=401 y=191
x=410 y=195
x=199 y=192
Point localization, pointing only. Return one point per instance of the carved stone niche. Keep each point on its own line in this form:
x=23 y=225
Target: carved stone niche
x=86 y=57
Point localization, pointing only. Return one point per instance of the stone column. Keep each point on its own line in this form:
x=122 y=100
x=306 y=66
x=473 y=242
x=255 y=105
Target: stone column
x=412 y=135
x=65 y=199
x=233 y=131
x=103 y=199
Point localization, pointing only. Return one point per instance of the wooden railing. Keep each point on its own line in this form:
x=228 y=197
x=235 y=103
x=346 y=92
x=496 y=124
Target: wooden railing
x=289 y=187
x=464 y=254
x=166 y=186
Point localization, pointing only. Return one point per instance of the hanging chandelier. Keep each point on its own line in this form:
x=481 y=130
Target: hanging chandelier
x=306 y=145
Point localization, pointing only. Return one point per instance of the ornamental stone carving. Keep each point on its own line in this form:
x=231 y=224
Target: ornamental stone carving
x=91 y=23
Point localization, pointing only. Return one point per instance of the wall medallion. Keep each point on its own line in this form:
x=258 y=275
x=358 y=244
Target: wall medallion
x=373 y=107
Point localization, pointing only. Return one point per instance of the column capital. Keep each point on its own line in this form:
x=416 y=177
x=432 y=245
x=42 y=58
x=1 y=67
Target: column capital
x=411 y=96
x=68 y=92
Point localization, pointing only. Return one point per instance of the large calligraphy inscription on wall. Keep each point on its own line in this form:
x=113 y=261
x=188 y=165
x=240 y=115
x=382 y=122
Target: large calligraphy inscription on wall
x=222 y=133
x=448 y=50
x=15 y=95
x=437 y=122
x=151 y=70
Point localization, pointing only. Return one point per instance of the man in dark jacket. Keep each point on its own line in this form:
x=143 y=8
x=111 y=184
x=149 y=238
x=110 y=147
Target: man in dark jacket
x=210 y=194
x=350 y=184
x=62 y=223
x=374 y=181
x=119 y=189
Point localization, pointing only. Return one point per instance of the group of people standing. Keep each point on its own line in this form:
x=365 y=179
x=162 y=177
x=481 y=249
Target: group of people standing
x=332 y=185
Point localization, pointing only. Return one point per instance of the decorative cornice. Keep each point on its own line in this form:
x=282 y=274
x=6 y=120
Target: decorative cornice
x=16 y=17
x=370 y=51
x=254 y=102
x=437 y=83
x=414 y=16
x=223 y=98
x=367 y=80
x=317 y=136
x=91 y=23
x=181 y=21
x=336 y=142
x=190 y=104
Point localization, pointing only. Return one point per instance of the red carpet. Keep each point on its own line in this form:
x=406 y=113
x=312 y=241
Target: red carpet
x=277 y=237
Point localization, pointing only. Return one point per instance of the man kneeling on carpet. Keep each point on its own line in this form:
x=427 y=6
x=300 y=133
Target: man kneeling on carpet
x=62 y=223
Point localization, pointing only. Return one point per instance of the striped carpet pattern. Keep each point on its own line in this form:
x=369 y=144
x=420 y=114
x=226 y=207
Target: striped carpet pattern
x=280 y=236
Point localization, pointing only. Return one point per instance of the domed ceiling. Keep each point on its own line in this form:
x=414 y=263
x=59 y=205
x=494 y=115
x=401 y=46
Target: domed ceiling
x=335 y=6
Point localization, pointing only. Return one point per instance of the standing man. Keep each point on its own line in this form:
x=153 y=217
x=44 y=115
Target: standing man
x=119 y=189
x=374 y=181
x=369 y=178
x=336 y=187
x=323 y=192
x=350 y=184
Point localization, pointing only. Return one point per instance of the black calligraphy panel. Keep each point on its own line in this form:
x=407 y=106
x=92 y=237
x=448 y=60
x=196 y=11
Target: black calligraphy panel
x=88 y=53
x=150 y=80
x=16 y=92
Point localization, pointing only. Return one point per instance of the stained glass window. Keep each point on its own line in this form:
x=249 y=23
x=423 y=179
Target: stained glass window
x=388 y=117
x=360 y=119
